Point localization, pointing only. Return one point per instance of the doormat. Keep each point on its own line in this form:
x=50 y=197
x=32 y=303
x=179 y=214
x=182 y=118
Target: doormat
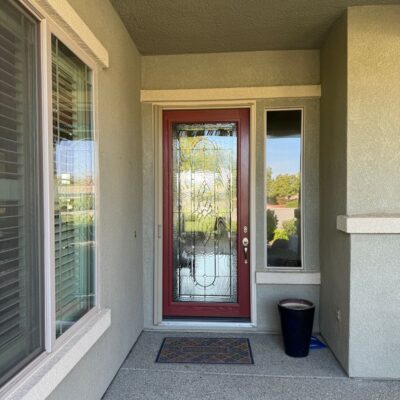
x=200 y=350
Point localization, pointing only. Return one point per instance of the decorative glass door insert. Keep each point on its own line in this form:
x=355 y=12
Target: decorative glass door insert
x=205 y=212
x=201 y=207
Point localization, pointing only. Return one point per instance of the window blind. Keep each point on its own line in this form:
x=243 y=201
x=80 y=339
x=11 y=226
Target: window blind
x=20 y=233
x=74 y=186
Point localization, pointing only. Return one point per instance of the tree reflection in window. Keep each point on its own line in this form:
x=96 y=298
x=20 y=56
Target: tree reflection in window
x=283 y=188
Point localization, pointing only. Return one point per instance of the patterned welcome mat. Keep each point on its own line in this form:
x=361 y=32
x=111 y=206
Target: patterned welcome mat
x=200 y=350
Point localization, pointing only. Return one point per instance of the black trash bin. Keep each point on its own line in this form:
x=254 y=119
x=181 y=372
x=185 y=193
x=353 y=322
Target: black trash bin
x=297 y=317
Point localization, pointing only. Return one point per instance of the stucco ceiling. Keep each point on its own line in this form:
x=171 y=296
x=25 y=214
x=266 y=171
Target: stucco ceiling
x=208 y=26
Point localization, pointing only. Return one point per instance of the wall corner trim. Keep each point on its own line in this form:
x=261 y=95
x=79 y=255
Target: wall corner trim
x=64 y=16
x=288 y=278
x=236 y=93
x=369 y=223
x=38 y=381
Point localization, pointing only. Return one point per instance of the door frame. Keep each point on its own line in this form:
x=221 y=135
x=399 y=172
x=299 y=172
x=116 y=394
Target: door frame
x=241 y=308
x=157 y=122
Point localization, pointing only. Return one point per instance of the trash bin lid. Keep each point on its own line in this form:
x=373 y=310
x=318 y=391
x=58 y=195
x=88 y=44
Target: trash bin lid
x=296 y=304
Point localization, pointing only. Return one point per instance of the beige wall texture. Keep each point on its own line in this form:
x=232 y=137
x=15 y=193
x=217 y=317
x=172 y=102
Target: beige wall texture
x=373 y=170
x=374 y=110
x=120 y=274
x=334 y=245
x=360 y=169
x=219 y=70
x=240 y=70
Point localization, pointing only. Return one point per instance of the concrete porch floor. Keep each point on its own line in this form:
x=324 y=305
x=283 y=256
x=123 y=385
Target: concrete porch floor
x=273 y=376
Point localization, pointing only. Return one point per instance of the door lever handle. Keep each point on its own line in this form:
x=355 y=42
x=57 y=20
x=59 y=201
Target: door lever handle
x=245 y=243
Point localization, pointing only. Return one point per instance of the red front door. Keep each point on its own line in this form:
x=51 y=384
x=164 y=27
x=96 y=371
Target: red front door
x=206 y=260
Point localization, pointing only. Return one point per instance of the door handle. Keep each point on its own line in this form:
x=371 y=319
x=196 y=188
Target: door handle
x=245 y=243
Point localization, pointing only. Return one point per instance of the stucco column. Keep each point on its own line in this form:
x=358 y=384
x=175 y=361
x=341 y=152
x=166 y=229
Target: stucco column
x=360 y=180
x=373 y=188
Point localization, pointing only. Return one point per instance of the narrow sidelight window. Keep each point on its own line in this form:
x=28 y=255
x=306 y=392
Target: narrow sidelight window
x=283 y=188
x=74 y=179
x=20 y=189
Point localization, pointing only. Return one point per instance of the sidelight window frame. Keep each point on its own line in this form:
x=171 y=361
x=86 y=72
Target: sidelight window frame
x=302 y=190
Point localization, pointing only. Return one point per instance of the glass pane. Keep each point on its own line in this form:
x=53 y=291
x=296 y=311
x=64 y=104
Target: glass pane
x=283 y=172
x=20 y=229
x=205 y=212
x=74 y=186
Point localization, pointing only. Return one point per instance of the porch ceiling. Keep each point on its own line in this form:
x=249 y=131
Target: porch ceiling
x=208 y=26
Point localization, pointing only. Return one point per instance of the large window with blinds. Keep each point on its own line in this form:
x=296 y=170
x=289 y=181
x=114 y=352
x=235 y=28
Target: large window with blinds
x=62 y=268
x=20 y=190
x=74 y=183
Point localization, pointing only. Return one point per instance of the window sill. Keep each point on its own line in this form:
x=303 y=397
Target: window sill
x=288 y=278
x=42 y=376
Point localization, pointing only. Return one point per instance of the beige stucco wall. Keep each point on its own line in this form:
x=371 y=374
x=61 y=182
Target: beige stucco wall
x=219 y=70
x=120 y=273
x=236 y=70
x=373 y=169
x=360 y=169
x=374 y=110
x=375 y=306
x=334 y=248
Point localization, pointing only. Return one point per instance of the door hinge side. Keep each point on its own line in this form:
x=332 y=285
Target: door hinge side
x=159 y=231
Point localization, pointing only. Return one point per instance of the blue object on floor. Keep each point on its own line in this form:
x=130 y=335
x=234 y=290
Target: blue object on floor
x=316 y=343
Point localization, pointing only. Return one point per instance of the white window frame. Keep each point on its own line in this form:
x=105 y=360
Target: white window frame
x=63 y=353
x=49 y=29
x=302 y=191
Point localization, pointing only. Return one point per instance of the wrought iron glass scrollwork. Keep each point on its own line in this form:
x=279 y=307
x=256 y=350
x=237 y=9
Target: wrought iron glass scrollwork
x=205 y=212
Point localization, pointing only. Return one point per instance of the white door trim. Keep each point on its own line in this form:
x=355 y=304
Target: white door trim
x=158 y=242
x=223 y=94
